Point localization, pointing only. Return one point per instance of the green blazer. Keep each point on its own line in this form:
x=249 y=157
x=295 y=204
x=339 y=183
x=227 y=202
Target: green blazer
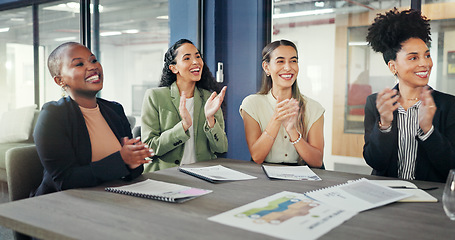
x=163 y=131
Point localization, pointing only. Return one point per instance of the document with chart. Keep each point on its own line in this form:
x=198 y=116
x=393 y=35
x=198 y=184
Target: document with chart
x=287 y=215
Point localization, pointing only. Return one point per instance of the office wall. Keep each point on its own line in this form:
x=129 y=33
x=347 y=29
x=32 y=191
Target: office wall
x=234 y=35
x=183 y=20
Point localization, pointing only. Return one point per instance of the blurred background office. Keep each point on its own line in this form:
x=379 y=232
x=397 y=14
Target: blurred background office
x=337 y=68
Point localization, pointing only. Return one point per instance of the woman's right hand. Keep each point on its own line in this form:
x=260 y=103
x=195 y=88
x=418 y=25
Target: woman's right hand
x=184 y=114
x=134 y=152
x=290 y=120
x=387 y=103
x=286 y=111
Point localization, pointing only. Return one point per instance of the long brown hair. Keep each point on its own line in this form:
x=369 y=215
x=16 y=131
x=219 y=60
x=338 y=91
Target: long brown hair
x=267 y=82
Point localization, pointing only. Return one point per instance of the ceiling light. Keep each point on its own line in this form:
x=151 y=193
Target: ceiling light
x=303 y=13
x=276 y=10
x=73 y=7
x=164 y=17
x=64 y=39
x=358 y=44
x=105 y=34
x=131 y=31
x=4 y=29
x=319 y=4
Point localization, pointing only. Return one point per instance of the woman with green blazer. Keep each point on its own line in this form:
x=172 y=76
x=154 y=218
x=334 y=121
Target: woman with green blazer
x=182 y=119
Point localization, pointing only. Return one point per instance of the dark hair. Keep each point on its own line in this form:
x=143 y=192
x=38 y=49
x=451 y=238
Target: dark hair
x=391 y=29
x=168 y=77
x=54 y=62
x=267 y=81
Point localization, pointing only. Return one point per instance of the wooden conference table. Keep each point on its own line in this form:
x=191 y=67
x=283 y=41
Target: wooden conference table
x=93 y=213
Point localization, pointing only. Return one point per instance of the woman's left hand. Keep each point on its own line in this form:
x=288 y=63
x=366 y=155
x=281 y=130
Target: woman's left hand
x=212 y=105
x=293 y=112
x=426 y=110
x=135 y=153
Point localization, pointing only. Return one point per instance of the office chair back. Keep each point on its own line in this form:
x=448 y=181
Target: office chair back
x=24 y=171
x=24 y=174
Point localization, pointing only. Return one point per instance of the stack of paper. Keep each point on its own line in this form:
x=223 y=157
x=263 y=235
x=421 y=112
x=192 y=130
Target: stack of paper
x=290 y=172
x=216 y=173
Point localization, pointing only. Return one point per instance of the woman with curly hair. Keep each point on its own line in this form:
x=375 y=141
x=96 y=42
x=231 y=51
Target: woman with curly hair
x=282 y=125
x=410 y=129
x=182 y=119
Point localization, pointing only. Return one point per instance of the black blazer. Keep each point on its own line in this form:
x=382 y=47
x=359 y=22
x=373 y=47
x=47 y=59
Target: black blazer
x=435 y=155
x=63 y=145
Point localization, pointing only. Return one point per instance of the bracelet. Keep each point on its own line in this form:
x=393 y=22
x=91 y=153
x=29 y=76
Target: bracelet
x=268 y=135
x=382 y=127
x=298 y=139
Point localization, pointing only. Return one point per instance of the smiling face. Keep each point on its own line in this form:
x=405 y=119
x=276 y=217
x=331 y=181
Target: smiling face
x=413 y=63
x=188 y=64
x=283 y=67
x=81 y=73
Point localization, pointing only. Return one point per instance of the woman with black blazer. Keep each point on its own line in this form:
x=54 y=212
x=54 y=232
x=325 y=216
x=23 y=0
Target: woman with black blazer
x=410 y=129
x=83 y=140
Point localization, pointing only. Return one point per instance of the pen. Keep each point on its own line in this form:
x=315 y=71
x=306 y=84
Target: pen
x=405 y=187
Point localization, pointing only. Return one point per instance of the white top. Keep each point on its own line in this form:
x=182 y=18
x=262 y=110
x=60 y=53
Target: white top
x=408 y=129
x=189 y=153
x=260 y=107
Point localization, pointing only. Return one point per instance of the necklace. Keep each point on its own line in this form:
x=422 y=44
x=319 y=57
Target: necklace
x=410 y=99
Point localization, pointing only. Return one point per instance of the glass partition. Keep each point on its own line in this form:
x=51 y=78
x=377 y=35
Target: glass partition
x=16 y=59
x=58 y=23
x=133 y=36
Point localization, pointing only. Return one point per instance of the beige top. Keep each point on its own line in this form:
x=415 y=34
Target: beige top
x=103 y=140
x=260 y=107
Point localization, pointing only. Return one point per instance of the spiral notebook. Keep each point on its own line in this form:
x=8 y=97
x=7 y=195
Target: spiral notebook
x=216 y=173
x=358 y=195
x=163 y=191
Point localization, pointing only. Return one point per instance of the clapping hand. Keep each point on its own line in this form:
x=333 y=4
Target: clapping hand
x=426 y=110
x=387 y=103
x=184 y=114
x=212 y=105
x=286 y=112
x=134 y=152
x=289 y=122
